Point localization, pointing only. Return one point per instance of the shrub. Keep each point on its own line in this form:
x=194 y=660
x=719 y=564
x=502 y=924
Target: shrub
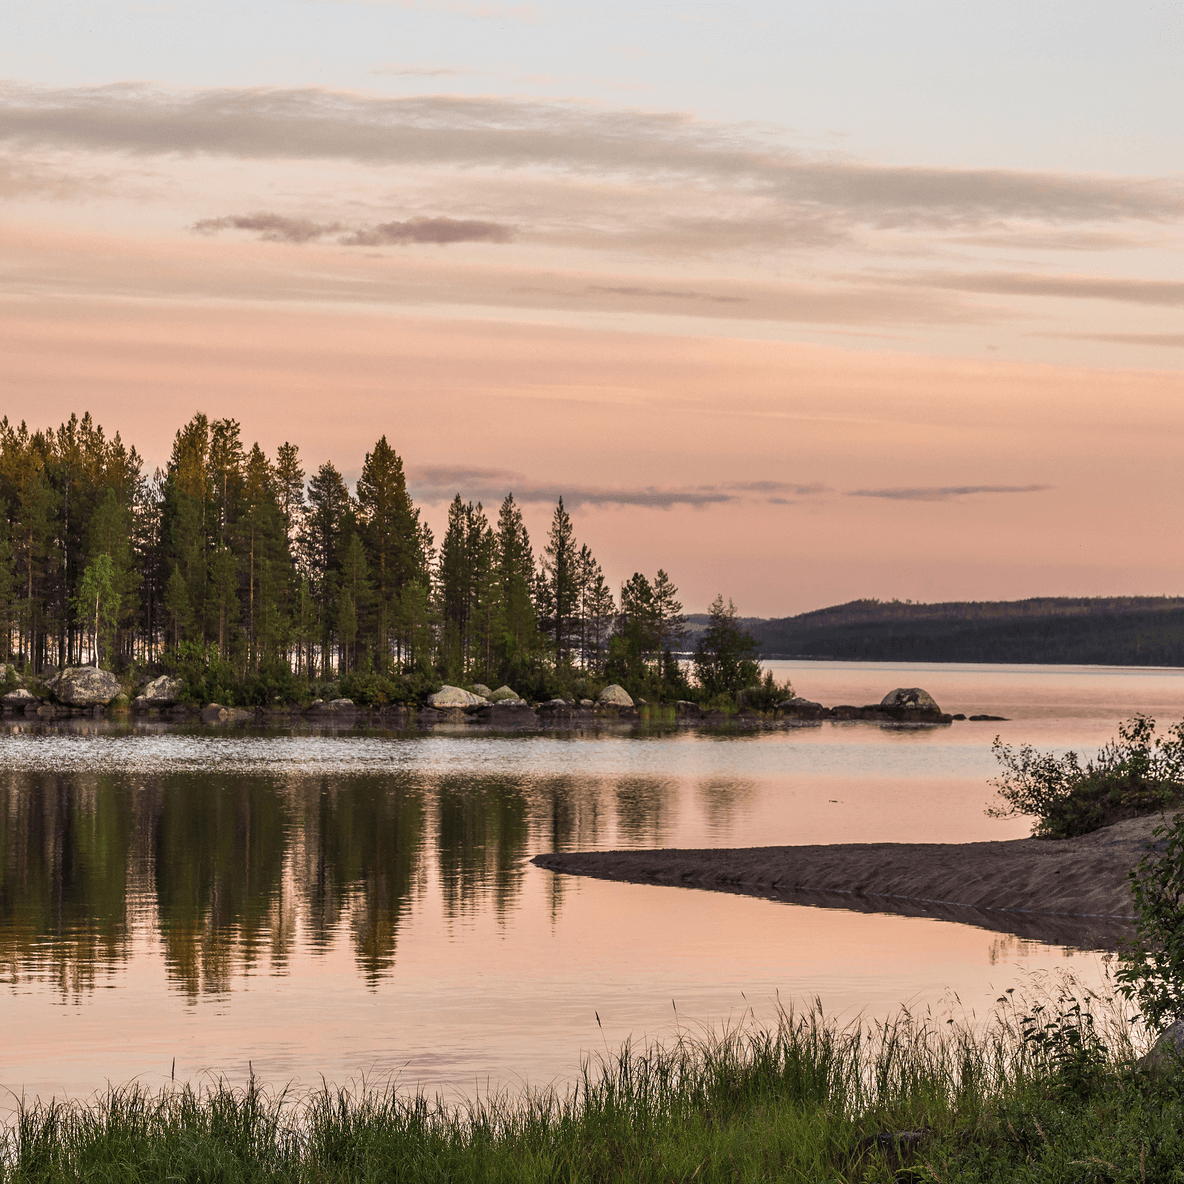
x=766 y=694
x=1152 y=967
x=1137 y=774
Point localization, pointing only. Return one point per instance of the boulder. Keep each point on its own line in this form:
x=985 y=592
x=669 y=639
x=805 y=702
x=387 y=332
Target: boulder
x=84 y=686
x=163 y=691
x=687 y=708
x=587 y=703
x=19 y=699
x=339 y=707
x=215 y=713
x=615 y=696
x=801 y=708
x=504 y=693
x=451 y=697
x=910 y=699
x=1168 y=1051
x=556 y=705
x=511 y=713
x=479 y=688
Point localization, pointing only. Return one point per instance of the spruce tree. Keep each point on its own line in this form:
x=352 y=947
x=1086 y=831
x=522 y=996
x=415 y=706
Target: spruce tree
x=559 y=584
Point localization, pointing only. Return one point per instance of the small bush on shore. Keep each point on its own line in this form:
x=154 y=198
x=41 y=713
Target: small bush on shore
x=1152 y=969
x=1139 y=773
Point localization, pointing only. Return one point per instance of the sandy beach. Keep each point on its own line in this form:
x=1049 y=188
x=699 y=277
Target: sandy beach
x=1070 y=891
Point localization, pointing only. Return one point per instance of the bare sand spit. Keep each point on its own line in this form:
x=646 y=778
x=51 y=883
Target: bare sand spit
x=1067 y=892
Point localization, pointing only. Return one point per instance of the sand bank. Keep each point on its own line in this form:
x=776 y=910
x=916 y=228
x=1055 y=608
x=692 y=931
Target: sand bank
x=1069 y=891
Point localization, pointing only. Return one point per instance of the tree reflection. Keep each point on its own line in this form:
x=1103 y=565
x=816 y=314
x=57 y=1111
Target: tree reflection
x=65 y=842
x=645 y=808
x=481 y=837
x=362 y=842
x=218 y=856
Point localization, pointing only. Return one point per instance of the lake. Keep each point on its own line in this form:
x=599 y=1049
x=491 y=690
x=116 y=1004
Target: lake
x=353 y=904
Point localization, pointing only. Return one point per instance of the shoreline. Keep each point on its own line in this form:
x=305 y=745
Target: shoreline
x=1073 y=892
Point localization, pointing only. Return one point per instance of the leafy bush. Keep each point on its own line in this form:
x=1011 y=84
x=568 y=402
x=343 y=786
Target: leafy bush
x=368 y=689
x=1152 y=968
x=766 y=694
x=1137 y=774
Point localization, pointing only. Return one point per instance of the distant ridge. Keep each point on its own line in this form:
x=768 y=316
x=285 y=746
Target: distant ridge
x=1103 y=631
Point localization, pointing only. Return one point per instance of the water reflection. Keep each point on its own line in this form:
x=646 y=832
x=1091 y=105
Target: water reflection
x=482 y=832
x=66 y=863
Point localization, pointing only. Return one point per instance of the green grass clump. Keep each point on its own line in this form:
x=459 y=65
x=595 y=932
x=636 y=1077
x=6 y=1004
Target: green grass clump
x=1028 y=1098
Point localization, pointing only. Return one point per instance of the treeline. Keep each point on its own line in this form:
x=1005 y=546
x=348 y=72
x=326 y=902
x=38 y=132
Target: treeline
x=1112 y=631
x=240 y=568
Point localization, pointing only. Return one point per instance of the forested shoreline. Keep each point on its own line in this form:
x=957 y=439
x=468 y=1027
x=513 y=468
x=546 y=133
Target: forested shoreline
x=257 y=579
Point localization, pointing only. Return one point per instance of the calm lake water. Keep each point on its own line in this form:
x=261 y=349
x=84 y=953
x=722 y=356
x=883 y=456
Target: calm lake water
x=358 y=904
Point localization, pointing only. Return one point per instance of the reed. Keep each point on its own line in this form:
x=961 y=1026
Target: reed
x=801 y=1099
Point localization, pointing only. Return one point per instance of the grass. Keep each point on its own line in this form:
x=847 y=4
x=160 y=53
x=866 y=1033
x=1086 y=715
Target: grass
x=1026 y=1098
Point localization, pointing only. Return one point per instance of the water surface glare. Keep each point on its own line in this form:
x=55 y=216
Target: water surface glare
x=347 y=904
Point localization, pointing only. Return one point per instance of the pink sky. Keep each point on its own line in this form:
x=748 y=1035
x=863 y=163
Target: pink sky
x=794 y=377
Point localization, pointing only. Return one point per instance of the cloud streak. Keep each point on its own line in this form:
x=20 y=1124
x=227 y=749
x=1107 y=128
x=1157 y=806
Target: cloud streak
x=438 y=483
x=941 y=493
x=1130 y=291
x=277 y=228
x=561 y=137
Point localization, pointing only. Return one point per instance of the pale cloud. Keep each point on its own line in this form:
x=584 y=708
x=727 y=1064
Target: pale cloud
x=1169 y=340
x=524 y=13
x=427 y=71
x=1078 y=287
x=941 y=493
x=507 y=133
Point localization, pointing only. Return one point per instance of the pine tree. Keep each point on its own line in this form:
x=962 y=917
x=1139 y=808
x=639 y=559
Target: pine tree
x=517 y=638
x=725 y=656
x=391 y=532
x=636 y=634
x=328 y=523
x=559 y=566
x=669 y=623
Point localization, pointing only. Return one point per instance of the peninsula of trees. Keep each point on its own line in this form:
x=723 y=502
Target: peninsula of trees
x=256 y=580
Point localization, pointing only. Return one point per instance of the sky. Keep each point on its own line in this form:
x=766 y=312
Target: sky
x=799 y=302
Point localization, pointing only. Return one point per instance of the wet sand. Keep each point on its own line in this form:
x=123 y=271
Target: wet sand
x=1069 y=892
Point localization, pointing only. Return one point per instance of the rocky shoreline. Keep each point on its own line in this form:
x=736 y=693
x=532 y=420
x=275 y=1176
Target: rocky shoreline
x=1068 y=892
x=86 y=692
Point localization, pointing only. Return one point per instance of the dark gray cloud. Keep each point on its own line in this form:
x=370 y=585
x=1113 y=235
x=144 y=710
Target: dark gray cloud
x=560 y=136
x=941 y=493
x=273 y=228
x=278 y=228
x=438 y=483
x=1165 y=292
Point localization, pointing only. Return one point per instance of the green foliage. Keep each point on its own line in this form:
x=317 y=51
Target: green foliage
x=725 y=656
x=1066 y=1046
x=370 y=689
x=1137 y=774
x=766 y=694
x=1152 y=968
x=803 y=1100
x=208 y=677
x=98 y=597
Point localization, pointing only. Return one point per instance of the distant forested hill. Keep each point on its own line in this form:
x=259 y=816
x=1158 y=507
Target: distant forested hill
x=1117 y=631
